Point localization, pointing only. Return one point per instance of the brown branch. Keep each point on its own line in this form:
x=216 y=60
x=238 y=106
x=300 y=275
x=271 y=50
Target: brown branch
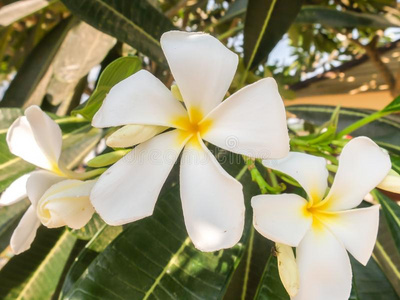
x=174 y=10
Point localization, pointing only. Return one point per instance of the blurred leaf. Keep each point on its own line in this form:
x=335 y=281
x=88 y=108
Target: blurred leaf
x=136 y=23
x=271 y=287
x=9 y=219
x=387 y=255
x=369 y=282
x=261 y=35
x=115 y=72
x=21 y=92
x=154 y=257
x=20 y=9
x=34 y=274
x=385 y=131
x=236 y=9
x=335 y=18
x=391 y=211
x=83 y=48
x=392 y=107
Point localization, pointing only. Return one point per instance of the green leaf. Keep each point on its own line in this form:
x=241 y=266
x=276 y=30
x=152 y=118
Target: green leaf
x=9 y=219
x=331 y=17
x=369 y=282
x=384 y=131
x=266 y=22
x=271 y=287
x=136 y=23
x=24 y=89
x=392 y=107
x=115 y=72
x=391 y=211
x=387 y=255
x=96 y=245
x=154 y=258
x=34 y=274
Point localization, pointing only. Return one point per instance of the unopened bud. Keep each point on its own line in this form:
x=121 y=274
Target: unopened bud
x=66 y=203
x=288 y=271
x=131 y=135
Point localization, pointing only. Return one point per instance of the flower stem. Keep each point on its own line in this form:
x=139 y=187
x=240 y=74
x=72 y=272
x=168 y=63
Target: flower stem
x=360 y=123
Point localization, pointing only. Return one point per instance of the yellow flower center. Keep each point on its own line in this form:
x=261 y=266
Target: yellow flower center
x=192 y=124
x=318 y=215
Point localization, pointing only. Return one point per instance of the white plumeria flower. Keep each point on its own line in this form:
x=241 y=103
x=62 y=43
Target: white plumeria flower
x=37 y=139
x=322 y=228
x=250 y=122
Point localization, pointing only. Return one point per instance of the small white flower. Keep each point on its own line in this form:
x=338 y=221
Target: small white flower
x=37 y=139
x=254 y=118
x=322 y=228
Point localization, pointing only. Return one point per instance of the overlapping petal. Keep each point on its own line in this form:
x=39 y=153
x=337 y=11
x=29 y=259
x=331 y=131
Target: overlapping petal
x=281 y=218
x=324 y=267
x=15 y=192
x=212 y=200
x=357 y=229
x=36 y=138
x=25 y=232
x=128 y=190
x=38 y=182
x=309 y=170
x=202 y=67
x=362 y=166
x=251 y=122
x=66 y=203
x=139 y=99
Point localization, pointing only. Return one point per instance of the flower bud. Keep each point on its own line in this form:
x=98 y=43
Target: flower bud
x=391 y=182
x=287 y=266
x=66 y=203
x=131 y=135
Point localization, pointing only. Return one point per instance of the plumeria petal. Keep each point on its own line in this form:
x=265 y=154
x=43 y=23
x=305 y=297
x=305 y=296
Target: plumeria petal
x=15 y=192
x=128 y=190
x=139 y=99
x=25 y=232
x=281 y=218
x=202 y=67
x=251 y=122
x=212 y=200
x=362 y=166
x=357 y=229
x=324 y=267
x=39 y=182
x=36 y=138
x=309 y=170
x=131 y=135
x=66 y=203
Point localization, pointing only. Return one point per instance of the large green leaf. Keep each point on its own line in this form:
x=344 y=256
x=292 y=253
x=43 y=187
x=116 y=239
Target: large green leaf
x=115 y=72
x=369 y=282
x=392 y=107
x=391 y=212
x=385 y=131
x=154 y=258
x=35 y=273
x=29 y=84
x=95 y=246
x=266 y=22
x=136 y=23
x=271 y=287
x=336 y=18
